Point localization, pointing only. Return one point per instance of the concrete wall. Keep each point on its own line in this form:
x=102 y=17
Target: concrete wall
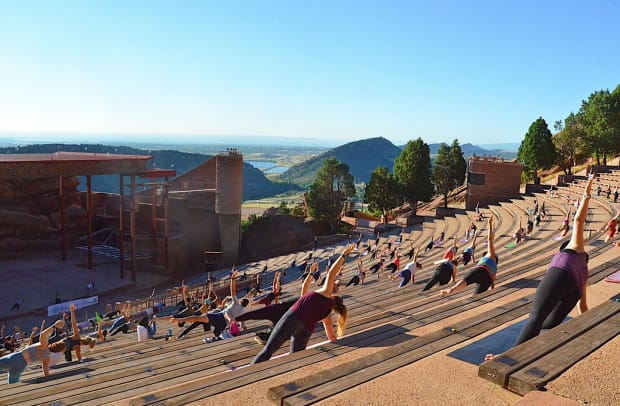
x=490 y=180
x=204 y=213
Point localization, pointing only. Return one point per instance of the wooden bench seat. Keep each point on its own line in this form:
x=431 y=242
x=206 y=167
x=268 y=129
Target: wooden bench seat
x=530 y=365
x=322 y=385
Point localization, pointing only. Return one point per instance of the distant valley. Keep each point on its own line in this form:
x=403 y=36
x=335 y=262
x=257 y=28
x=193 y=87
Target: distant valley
x=298 y=164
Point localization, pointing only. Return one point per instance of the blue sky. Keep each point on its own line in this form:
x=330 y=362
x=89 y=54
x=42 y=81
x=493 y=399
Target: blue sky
x=479 y=71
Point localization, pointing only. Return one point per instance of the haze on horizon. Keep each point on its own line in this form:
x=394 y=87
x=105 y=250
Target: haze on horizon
x=331 y=72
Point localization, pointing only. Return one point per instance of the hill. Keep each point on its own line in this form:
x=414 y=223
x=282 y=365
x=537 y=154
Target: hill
x=255 y=184
x=362 y=156
x=471 y=149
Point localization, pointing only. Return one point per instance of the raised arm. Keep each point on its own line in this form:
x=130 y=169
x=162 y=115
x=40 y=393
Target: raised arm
x=34 y=332
x=490 y=238
x=74 y=323
x=416 y=253
x=328 y=287
x=233 y=286
x=46 y=333
x=576 y=240
x=306 y=283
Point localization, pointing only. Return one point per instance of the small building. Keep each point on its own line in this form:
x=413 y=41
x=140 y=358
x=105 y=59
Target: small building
x=491 y=180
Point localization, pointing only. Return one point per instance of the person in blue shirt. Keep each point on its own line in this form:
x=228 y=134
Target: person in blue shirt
x=483 y=274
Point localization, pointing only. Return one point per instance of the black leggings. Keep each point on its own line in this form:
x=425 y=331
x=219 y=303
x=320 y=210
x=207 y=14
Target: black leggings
x=205 y=326
x=480 y=276
x=391 y=267
x=291 y=327
x=442 y=276
x=273 y=312
x=355 y=280
x=555 y=297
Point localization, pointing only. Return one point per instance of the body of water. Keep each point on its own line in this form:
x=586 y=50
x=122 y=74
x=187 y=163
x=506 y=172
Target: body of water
x=268 y=166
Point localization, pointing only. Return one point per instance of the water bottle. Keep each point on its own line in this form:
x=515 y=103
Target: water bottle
x=169 y=333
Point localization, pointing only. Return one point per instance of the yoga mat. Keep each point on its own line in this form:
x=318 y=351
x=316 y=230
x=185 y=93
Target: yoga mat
x=464 y=240
x=495 y=344
x=614 y=277
x=510 y=245
x=558 y=238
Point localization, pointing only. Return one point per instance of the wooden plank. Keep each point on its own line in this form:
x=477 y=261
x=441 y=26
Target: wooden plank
x=499 y=369
x=376 y=300
x=201 y=390
x=536 y=375
x=463 y=330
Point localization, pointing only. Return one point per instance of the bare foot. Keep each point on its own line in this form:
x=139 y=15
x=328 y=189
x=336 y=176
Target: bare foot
x=489 y=357
x=444 y=292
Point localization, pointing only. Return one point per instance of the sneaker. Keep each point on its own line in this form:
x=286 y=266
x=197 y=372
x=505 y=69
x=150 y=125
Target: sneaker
x=206 y=340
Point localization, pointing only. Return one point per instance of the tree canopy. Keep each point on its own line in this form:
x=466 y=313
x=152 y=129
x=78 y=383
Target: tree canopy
x=600 y=115
x=383 y=191
x=568 y=142
x=332 y=187
x=449 y=169
x=537 y=150
x=412 y=169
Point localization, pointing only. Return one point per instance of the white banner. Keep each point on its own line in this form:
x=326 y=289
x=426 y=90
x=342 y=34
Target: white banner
x=55 y=309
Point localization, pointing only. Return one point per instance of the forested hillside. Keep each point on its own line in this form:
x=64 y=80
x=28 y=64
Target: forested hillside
x=362 y=156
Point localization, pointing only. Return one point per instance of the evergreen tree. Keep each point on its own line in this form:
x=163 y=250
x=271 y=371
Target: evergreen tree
x=568 y=143
x=412 y=169
x=332 y=187
x=442 y=172
x=600 y=118
x=449 y=169
x=383 y=191
x=537 y=150
x=458 y=163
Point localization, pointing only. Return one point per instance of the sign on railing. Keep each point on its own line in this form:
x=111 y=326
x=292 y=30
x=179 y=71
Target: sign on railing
x=55 y=309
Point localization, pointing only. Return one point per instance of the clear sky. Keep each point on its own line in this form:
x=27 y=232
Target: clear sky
x=479 y=71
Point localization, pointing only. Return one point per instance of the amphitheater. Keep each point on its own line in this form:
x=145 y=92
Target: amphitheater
x=398 y=341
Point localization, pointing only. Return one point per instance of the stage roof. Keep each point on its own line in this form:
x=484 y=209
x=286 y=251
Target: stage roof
x=22 y=166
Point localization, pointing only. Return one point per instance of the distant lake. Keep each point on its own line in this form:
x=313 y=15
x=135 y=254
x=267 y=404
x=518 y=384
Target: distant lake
x=268 y=166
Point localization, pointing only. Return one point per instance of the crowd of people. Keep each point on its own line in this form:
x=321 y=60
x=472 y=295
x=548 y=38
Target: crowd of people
x=295 y=317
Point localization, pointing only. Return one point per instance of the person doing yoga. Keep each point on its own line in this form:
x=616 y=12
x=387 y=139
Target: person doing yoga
x=483 y=274
x=611 y=227
x=273 y=312
x=408 y=274
x=15 y=363
x=299 y=322
x=564 y=227
x=74 y=342
x=469 y=252
x=564 y=284
x=445 y=271
x=359 y=275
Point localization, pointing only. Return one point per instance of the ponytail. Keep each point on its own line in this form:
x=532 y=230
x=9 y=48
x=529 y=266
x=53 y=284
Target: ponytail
x=88 y=341
x=341 y=309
